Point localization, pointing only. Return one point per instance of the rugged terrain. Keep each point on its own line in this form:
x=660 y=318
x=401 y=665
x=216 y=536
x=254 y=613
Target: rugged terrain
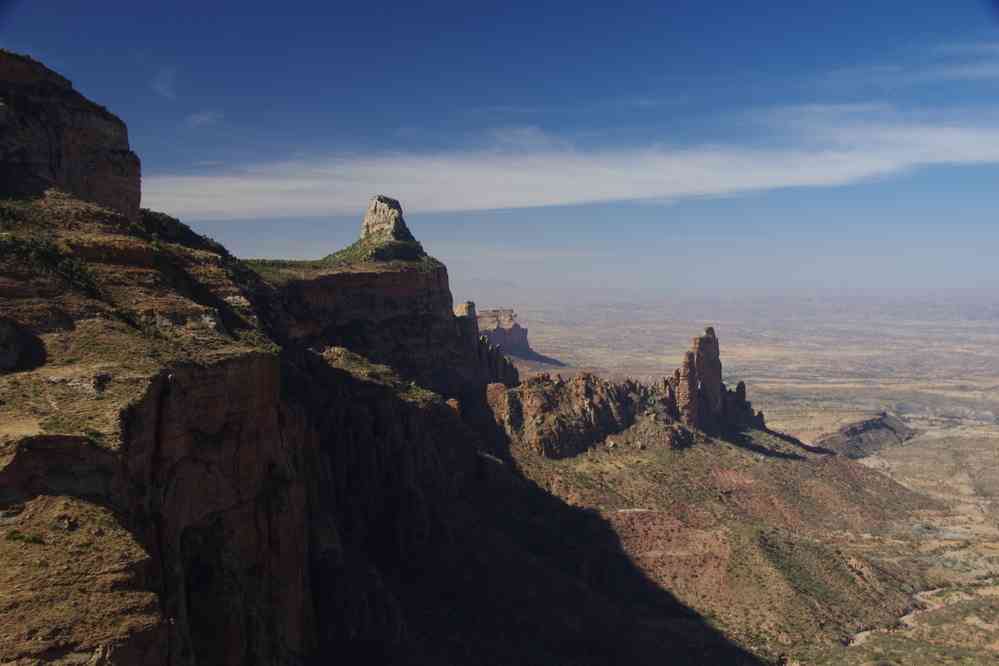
x=210 y=461
x=906 y=382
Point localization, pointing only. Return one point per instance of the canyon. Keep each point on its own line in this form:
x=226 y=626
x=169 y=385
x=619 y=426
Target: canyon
x=205 y=460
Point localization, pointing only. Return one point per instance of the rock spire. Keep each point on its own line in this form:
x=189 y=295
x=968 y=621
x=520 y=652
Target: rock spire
x=383 y=221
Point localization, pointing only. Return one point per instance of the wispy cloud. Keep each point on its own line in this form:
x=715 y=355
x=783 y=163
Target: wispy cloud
x=952 y=63
x=164 y=83
x=973 y=48
x=816 y=147
x=982 y=70
x=203 y=118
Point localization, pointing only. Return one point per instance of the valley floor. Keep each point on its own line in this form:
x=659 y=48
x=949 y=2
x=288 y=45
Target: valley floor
x=956 y=620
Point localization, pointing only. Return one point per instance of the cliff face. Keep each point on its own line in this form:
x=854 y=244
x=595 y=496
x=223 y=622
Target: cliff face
x=203 y=464
x=193 y=468
x=501 y=329
x=559 y=418
x=51 y=136
x=251 y=499
x=184 y=483
x=385 y=296
x=696 y=395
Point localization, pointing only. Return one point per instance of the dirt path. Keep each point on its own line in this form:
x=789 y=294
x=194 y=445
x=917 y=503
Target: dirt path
x=908 y=621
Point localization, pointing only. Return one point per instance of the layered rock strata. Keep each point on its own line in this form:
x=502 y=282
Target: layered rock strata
x=52 y=136
x=400 y=312
x=500 y=326
x=198 y=466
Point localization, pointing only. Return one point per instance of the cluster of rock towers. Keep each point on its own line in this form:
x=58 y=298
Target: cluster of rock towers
x=696 y=395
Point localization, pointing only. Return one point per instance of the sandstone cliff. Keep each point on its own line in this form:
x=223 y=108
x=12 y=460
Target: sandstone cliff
x=244 y=494
x=183 y=481
x=501 y=328
x=696 y=395
x=559 y=418
x=386 y=296
x=203 y=463
x=51 y=136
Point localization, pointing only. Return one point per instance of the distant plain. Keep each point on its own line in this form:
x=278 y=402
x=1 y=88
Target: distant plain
x=813 y=365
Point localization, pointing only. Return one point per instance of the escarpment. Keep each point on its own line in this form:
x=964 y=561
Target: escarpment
x=500 y=326
x=258 y=498
x=502 y=330
x=52 y=136
x=210 y=461
x=386 y=296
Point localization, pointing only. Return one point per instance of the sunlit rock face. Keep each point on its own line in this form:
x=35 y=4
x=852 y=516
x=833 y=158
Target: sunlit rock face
x=503 y=330
x=696 y=395
x=383 y=221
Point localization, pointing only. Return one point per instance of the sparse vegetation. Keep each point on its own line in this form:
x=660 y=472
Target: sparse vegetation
x=47 y=256
x=17 y=535
x=385 y=255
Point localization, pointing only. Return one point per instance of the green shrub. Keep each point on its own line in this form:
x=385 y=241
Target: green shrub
x=17 y=535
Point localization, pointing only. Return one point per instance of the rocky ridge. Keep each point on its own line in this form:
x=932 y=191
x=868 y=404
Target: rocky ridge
x=558 y=417
x=868 y=436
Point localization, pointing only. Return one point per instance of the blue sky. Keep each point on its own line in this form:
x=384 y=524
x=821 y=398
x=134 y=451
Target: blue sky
x=654 y=145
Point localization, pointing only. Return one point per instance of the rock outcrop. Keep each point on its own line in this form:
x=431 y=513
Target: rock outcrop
x=502 y=329
x=707 y=361
x=696 y=395
x=383 y=221
x=868 y=436
x=400 y=311
x=558 y=417
x=52 y=136
x=490 y=356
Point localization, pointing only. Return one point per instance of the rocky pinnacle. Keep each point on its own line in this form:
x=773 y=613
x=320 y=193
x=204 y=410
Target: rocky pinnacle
x=383 y=221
